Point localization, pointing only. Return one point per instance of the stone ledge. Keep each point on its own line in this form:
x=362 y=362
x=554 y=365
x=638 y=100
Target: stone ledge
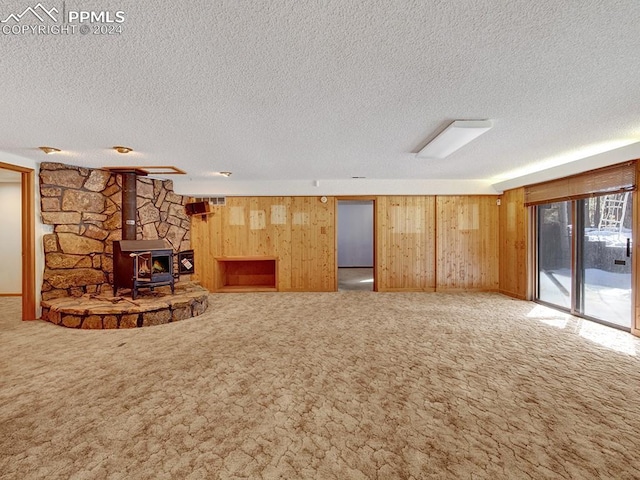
x=150 y=308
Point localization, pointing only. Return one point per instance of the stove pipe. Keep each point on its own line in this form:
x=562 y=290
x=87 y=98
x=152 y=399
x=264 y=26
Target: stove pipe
x=129 y=180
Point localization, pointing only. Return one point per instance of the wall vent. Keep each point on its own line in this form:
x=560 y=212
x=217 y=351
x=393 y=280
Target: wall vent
x=221 y=201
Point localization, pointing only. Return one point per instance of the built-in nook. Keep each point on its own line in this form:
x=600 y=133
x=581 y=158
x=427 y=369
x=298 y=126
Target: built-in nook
x=247 y=274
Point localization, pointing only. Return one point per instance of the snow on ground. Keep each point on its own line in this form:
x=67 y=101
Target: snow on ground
x=607 y=294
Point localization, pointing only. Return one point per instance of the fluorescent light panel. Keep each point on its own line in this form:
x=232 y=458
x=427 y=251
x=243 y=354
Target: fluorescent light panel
x=455 y=136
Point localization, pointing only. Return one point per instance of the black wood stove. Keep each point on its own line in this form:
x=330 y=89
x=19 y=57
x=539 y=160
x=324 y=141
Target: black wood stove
x=142 y=264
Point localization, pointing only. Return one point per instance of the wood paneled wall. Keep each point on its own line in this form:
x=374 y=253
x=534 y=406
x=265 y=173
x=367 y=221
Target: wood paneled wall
x=405 y=243
x=300 y=231
x=423 y=243
x=513 y=244
x=467 y=243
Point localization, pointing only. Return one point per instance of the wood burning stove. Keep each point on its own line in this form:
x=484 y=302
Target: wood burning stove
x=142 y=264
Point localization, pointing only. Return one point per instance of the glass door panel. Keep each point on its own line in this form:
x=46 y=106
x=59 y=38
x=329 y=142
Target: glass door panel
x=604 y=259
x=554 y=254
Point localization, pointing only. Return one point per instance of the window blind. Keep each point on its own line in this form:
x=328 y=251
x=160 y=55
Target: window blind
x=613 y=179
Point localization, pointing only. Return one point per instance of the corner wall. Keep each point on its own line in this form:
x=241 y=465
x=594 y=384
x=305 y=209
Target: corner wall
x=513 y=244
x=84 y=207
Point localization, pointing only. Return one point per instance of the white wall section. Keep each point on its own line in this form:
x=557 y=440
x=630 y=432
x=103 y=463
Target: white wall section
x=10 y=239
x=355 y=234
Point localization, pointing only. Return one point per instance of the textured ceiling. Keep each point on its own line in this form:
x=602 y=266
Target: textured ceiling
x=325 y=90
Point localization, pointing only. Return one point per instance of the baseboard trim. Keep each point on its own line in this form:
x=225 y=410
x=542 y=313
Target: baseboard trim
x=395 y=290
x=471 y=290
x=513 y=295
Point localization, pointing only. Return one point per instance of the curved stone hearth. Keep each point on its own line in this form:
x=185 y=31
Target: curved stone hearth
x=150 y=308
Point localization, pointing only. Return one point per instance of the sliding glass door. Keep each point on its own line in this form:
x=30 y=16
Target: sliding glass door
x=584 y=257
x=604 y=247
x=555 y=254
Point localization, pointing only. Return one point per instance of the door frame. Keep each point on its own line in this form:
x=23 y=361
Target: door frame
x=367 y=198
x=28 y=240
x=635 y=270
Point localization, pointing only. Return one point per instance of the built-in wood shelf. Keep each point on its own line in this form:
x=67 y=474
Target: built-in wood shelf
x=247 y=274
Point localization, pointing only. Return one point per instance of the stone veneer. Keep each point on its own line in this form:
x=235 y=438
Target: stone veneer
x=84 y=207
x=91 y=311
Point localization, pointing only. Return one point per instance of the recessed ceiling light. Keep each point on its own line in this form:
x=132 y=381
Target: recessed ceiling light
x=49 y=149
x=121 y=149
x=455 y=136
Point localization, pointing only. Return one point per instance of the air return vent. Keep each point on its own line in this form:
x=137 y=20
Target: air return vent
x=217 y=200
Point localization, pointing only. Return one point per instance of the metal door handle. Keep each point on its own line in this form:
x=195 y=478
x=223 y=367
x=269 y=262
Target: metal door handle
x=628 y=247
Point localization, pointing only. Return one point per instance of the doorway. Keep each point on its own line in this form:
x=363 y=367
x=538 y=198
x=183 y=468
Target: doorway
x=25 y=204
x=356 y=245
x=10 y=234
x=584 y=257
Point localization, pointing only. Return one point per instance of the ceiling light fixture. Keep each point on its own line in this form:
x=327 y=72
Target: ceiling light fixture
x=225 y=174
x=455 y=136
x=121 y=149
x=49 y=149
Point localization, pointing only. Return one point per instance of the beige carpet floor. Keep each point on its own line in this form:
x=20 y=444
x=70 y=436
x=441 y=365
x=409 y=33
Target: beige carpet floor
x=346 y=385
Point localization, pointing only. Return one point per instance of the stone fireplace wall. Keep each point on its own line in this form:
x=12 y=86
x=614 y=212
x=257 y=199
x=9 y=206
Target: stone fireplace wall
x=84 y=207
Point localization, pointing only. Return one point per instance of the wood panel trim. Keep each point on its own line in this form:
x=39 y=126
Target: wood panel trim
x=15 y=168
x=28 y=246
x=466 y=289
x=513 y=295
x=335 y=248
x=356 y=197
x=375 y=245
